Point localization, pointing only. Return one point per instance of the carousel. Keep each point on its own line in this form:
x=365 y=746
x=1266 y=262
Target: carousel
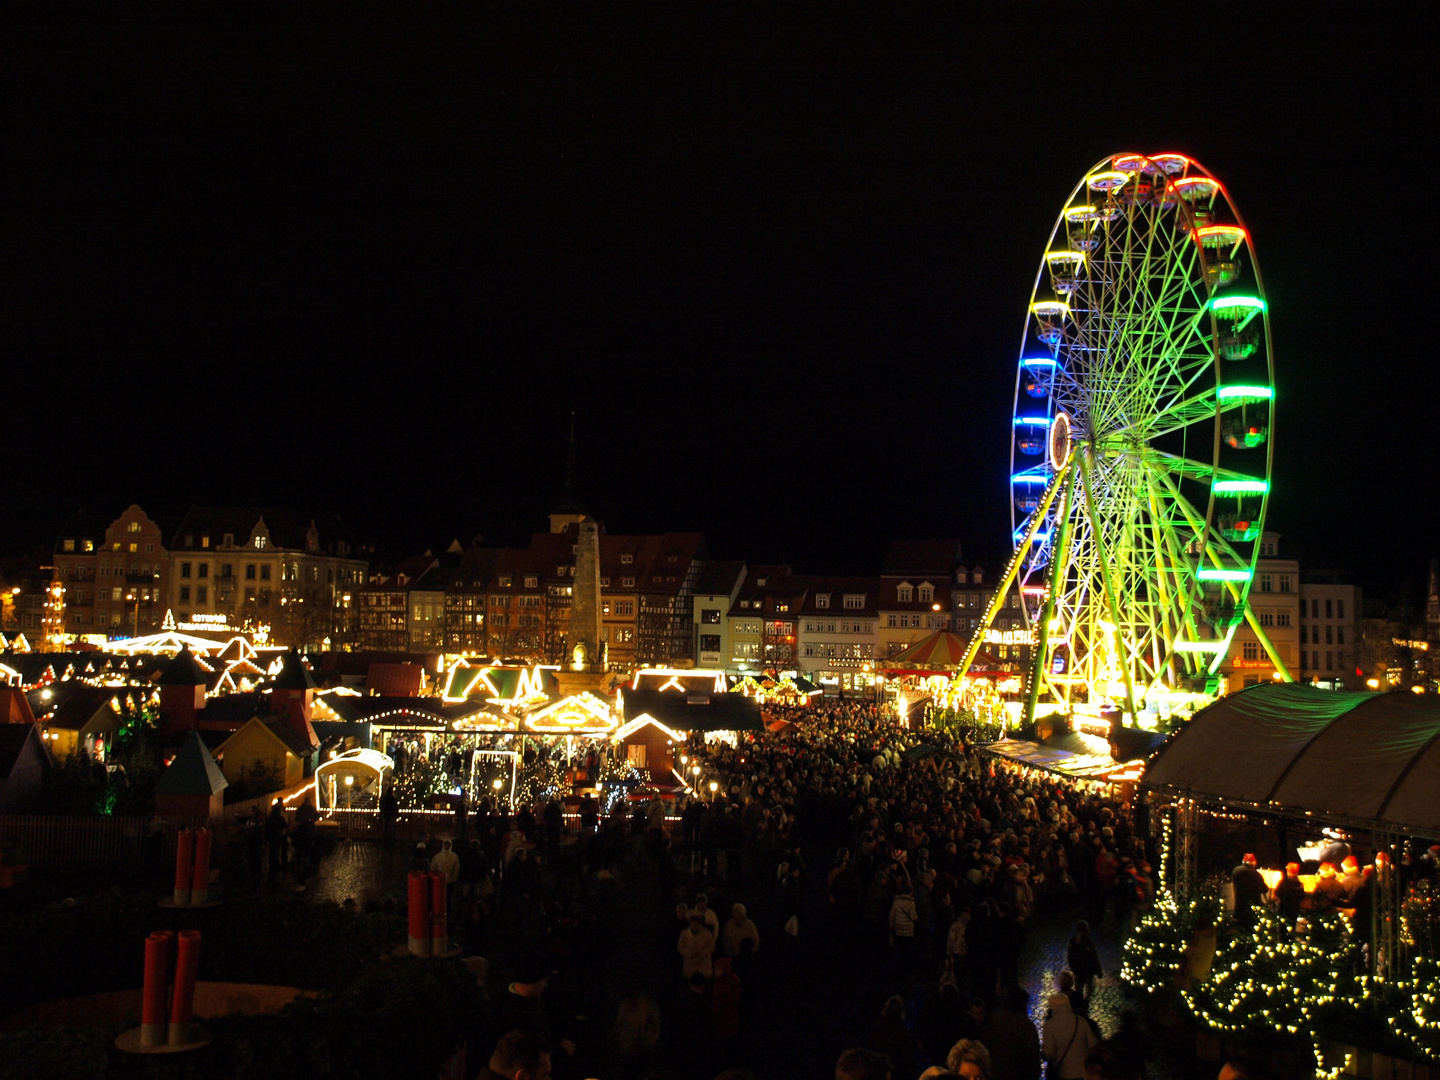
x=924 y=679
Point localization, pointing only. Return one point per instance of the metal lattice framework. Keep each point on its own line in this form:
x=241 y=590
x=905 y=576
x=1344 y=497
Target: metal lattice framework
x=1143 y=439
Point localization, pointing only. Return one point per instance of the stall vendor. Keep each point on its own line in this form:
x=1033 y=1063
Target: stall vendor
x=1290 y=893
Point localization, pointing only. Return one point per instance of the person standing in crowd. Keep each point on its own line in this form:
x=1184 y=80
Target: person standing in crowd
x=1249 y=889
x=1066 y=1040
x=1012 y=1040
x=902 y=921
x=389 y=814
x=276 y=830
x=696 y=947
x=1290 y=895
x=1083 y=960
x=738 y=928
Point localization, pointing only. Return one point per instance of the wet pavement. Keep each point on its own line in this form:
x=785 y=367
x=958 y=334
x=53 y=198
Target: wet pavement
x=824 y=993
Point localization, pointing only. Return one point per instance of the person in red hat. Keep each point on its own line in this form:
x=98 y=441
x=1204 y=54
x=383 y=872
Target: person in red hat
x=1351 y=880
x=1290 y=894
x=1249 y=889
x=1329 y=893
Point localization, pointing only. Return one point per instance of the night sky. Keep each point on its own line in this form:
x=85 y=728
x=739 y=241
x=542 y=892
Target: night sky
x=367 y=258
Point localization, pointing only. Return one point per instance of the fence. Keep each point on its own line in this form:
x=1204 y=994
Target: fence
x=88 y=841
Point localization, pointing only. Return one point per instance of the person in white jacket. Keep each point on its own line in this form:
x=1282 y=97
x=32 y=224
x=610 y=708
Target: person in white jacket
x=696 y=946
x=1066 y=1040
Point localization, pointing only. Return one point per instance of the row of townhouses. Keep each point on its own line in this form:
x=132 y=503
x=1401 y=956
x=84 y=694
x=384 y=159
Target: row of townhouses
x=303 y=579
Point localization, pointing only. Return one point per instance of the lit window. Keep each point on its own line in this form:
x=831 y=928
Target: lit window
x=204 y=541
x=89 y=545
x=69 y=545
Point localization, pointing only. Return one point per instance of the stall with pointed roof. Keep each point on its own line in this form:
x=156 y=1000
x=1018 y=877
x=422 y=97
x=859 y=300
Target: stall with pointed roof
x=192 y=785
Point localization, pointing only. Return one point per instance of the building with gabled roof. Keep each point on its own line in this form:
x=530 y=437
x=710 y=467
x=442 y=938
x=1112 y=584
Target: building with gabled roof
x=917 y=579
x=716 y=587
x=115 y=571
x=268 y=746
x=294 y=572
x=836 y=640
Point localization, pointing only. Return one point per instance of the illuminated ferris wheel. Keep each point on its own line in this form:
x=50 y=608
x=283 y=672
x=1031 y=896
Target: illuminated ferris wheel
x=1143 y=434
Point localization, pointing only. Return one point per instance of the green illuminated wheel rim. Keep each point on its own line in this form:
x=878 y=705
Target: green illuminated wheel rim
x=1148 y=339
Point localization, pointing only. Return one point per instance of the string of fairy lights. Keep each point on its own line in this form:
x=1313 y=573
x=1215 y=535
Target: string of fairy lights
x=1271 y=977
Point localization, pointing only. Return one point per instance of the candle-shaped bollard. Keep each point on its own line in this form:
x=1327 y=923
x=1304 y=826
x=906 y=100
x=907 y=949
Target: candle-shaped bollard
x=200 y=883
x=419 y=913
x=182 y=1008
x=184 y=866
x=154 y=997
x=439 y=943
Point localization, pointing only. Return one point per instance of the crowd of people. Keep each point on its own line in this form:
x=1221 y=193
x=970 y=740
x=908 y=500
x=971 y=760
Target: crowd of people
x=943 y=859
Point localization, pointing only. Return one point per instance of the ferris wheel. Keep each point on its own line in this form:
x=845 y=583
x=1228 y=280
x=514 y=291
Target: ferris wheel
x=1143 y=436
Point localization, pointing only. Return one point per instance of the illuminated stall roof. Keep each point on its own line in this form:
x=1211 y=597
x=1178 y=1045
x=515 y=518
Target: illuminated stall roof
x=686 y=680
x=579 y=714
x=694 y=712
x=500 y=684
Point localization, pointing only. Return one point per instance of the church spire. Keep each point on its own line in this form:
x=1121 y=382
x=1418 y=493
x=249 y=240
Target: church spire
x=568 y=510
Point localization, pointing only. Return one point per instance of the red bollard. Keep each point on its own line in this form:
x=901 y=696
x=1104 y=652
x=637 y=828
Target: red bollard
x=157 y=982
x=182 y=1008
x=200 y=887
x=439 y=943
x=419 y=909
x=184 y=870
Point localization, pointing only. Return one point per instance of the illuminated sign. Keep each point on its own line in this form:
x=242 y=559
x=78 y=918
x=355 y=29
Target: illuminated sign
x=1423 y=646
x=1241 y=662
x=202 y=621
x=1010 y=637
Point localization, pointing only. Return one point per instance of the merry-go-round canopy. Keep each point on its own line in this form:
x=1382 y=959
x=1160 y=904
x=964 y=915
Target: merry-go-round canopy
x=941 y=653
x=1361 y=759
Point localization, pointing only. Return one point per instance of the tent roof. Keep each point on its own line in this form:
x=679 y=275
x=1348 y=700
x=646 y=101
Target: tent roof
x=695 y=712
x=294 y=675
x=1368 y=759
x=193 y=772
x=1072 y=754
x=941 y=650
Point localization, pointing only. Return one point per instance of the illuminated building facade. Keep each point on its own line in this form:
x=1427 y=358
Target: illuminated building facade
x=1275 y=599
x=297 y=573
x=716 y=590
x=115 y=574
x=836 y=639
x=1009 y=636
x=750 y=631
x=403 y=610
x=466 y=585
x=916 y=581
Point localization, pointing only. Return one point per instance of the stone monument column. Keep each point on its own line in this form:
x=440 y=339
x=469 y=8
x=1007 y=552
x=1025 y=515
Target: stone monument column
x=587 y=652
